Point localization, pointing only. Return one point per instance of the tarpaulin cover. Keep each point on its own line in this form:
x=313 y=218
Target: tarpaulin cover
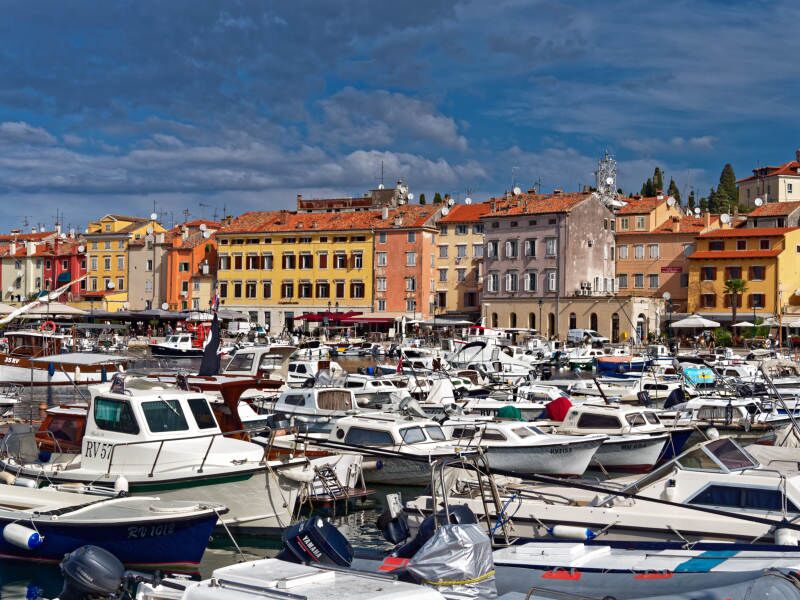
x=557 y=409
x=457 y=562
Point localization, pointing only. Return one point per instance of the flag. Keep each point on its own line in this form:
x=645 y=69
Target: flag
x=400 y=364
x=215 y=302
x=210 y=365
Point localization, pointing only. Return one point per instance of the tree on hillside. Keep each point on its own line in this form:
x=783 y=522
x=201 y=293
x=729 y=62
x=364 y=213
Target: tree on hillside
x=727 y=185
x=422 y=198
x=437 y=198
x=690 y=202
x=658 y=180
x=674 y=191
x=648 y=189
x=734 y=288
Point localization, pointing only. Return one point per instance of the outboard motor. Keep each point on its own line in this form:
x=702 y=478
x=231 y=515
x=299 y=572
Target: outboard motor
x=459 y=515
x=91 y=572
x=317 y=541
x=644 y=397
x=675 y=398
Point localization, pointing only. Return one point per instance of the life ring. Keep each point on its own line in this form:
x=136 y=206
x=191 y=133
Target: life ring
x=48 y=326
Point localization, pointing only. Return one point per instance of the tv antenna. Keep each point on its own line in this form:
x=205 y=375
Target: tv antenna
x=607 y=177
x=204 y=205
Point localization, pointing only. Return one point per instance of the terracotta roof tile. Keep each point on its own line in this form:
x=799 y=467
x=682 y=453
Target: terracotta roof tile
x=641 y=206
x=788 y=168
x=22 y=236
x=689 y=225
x=466 y=213
x=748 y=232
x=775 y=209
x=709 y=254
x=535 y=204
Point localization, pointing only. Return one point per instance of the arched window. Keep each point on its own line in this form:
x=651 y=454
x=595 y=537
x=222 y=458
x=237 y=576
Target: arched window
x=641 y=327
x=494 y=320
x=593 y=321
x=512 y=320
x=531 y=320
x=615 y=328
x=573 y=321
x=551 y=324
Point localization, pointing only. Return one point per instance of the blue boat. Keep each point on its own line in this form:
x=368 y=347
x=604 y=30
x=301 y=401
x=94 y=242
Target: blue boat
x=618 y=366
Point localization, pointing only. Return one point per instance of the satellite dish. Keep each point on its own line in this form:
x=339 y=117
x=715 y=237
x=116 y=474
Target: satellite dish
x=206 y=234
x=445 y=210
x=110 y=285
x=697 y=210
x=609 y=180
x=666 y=296
x=410 y=196
x=165 y=306
x=149 y=231
x=81 y=248
x=467 y=200
x=725 y=218
x=517 y=190
x=758 y=202
x=153 y=216
x=450 y=202
x=202 y=227
x=670 y=201
x=380 y=186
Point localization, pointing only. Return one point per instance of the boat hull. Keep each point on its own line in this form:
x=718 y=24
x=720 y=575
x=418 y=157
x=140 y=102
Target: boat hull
x=555 y=459
x=637 y=455
x=21 y=371
x=398 y=471
x=168 y=352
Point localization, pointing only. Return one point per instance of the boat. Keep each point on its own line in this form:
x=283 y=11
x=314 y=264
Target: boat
x=621 y=365
x=714 y=492
x=161 y=439
x=37 y=357
x=299 y=371
x=179 y=345
x=44 y=524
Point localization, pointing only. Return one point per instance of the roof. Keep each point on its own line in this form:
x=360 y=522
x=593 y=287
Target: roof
x=412 y=216
x=641 y=206
x=688 y=225
x=126 y=218
x=23 y=237
x=535 y=204
x=195 y=224
x=748 y=232
x=775 y=209
x=788 y=168
x=708 y=254
x=466 y=213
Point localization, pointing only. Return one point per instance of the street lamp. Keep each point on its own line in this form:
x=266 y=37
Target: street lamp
x=541 y=326
x=668 y=305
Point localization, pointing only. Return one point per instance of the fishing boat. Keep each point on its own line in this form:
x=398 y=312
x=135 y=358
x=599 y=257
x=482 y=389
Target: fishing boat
x=621 y=365
x=43 y=524
x=179 y=345
x=156 y=438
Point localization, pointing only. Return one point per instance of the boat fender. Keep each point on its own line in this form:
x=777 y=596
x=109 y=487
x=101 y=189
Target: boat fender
x=787 y=537
x=22 y=537
x=712 y=433
x=370 y=464
x=25 y=482
x=571 y=532
x=121 y=485
x=299 y=474
x=671 y=491
x=7 y=478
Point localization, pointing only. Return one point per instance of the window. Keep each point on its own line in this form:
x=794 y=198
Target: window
x=550 y=247
x=470 y=299
x=493 y=282
x=266 y=289
x=115 y=415
x=107 y=263
x=357 y=289
x=148 y=265
x=289 y=260
x=93 y=262
x=183 y=267
x=412 y=435
x=641 y=223
x=287 y=289
x=304 y=289
x=121 y=243
x=716 y=245
x=684 y=280
x=477 y=250
x=442 y=275
x=638 y=252
x=461 y=251
x=654 y=251
x=323 y=289
x=653 y=281
x=708 y=273
x=530 y=281
x=358 y=260
x=223 y=289
x=477 y=228
x=512 y=282
x=120 y=283
x=763 y=244
x=381 y=305
x=530 y=247
x=202 y=413
x=442 y=251
x=381 y=259
x=590 y=421
x=443 y=230
x=411 y=237
x=788 y=188
x=411 y=284
x=727 y=300
x=743 y=497
x=368 y=437
x=338 y=288
x=184 y=286
x=461 y=275
x=382 y=237
x=551 y=281
x=733 y=273
x=107 y=245
x=741 y=244
x=237 y=262
x=411 y=305
x=708 y=300
x=757 y=273
x=511 y=249
x=461 y=229
x=380 y=284
x=622 y=252
x=224 y=262
x=638 y=280
x=411 y=259
x=624 y=223
x=237 y=289
x=306 y=260
x=339 y=260
x=756 y=301
x=622 y=281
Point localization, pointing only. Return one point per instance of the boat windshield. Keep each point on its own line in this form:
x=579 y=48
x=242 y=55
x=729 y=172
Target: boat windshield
x=241 y=362
x=435 y=433
x=164 y=415
x=720 y=455
x=412 y=435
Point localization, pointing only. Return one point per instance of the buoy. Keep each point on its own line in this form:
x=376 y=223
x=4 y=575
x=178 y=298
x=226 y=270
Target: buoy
x=787 y=537
x=25 y=482
x=671 y=491
x=571 y=532
x=22 y=537
x=121 y=485
x=712 y=433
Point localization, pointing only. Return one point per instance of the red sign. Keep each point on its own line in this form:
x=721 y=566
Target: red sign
x=671 y=270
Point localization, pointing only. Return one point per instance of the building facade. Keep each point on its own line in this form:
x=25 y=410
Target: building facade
x=775 y=214
x=23 y=270
x=65 y=262
x=192 y=265
x=772 y=184
x=147 y=271
x=459 y=260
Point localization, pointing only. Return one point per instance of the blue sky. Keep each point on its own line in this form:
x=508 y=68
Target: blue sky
x=115 y=106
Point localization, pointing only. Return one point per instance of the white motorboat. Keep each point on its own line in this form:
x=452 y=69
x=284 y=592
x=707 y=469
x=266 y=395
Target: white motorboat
x=179 y=345
x=148 y=437
x=299 y=372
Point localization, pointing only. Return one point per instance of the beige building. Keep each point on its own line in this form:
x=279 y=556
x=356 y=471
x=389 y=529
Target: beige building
x=147 y=271
x=459 y=260
x=772 y=184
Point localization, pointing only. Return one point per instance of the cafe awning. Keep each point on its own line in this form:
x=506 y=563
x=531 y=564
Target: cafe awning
x=332 y=317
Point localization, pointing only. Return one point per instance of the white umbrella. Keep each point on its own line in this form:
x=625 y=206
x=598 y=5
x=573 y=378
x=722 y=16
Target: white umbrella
x=743 y=324
x=694 y=321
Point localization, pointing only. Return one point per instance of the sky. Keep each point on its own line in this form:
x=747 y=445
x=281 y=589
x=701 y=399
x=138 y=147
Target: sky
x=205 y=107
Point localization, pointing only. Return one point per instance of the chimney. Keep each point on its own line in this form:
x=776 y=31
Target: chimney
x=494 y=205
x=299 y=200
x=282 y=217
x=558 y=192
x=185 y=233
x=676 y=224
x=385 y=213
x=707 y=219
x=398 y=221
x=58 y=229
x=12 y=248
x=30 y=248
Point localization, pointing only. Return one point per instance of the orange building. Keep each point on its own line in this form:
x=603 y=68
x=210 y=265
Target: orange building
x=192 y=265
x=404 y=260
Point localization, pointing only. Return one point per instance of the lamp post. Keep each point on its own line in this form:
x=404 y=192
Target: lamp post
x=541 y=327
x=668 y=305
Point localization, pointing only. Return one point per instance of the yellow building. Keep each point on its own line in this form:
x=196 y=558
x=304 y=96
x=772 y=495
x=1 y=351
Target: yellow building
x=107 y=257
x=765 y=258
x=277 y=266
x=459 y=260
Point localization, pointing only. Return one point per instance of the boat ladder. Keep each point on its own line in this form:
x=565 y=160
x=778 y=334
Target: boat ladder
x=327 y=478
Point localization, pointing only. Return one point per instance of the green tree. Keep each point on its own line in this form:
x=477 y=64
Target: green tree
x=727 y=185
x=658 y=180
x=437 y=198
x=691 y=201
x=713 y=201
x=422 y=198
x=734 y=288
x=674 y=191
x=648 y=189
x=704 y=204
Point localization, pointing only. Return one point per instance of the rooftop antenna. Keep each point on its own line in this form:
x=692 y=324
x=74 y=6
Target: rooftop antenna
x=514 y=177
x=186 y=214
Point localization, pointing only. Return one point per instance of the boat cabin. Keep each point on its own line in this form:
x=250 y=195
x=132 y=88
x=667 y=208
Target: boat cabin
x=32 y=343
x=256 y=361
x=610 y=419
x=387 y=431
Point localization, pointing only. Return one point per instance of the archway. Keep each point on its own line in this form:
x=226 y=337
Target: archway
x=593 y=321
x=531 y=320
x=551 y=323
x=512 y=320
x=494 y=320
x=615 y=328
x=573 y=320
x=641 y=328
